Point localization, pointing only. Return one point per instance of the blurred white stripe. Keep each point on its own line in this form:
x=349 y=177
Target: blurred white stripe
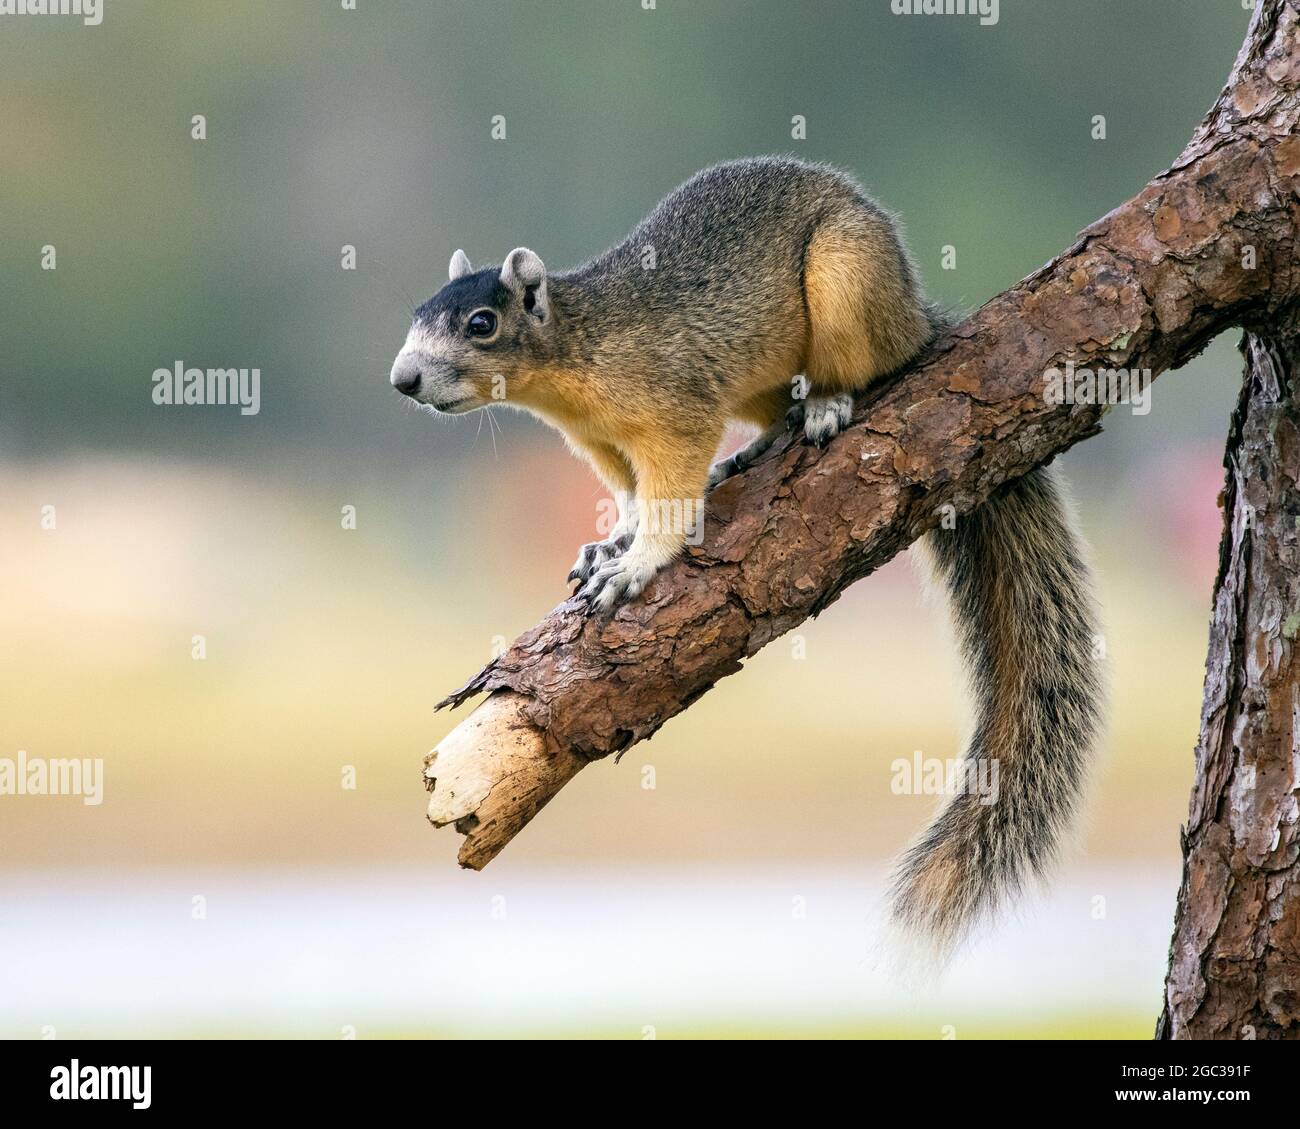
x=609 y=952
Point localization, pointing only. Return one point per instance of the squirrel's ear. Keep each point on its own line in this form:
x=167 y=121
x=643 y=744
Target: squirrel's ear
x=459 y=266
x=525 y=274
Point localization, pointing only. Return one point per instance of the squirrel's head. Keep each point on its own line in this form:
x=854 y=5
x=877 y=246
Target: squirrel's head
x=482 y=339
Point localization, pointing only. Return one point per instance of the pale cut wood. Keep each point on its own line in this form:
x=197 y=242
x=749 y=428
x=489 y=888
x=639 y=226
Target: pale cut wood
x=491 y=774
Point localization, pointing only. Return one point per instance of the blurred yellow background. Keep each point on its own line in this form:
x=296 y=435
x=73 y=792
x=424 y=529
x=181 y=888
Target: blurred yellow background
x=737 y=895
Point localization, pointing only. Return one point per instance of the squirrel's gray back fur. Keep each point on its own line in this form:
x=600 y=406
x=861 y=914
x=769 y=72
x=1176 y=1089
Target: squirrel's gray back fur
x=706 y=277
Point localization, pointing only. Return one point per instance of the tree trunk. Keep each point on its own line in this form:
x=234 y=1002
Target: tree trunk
x=1234 y=962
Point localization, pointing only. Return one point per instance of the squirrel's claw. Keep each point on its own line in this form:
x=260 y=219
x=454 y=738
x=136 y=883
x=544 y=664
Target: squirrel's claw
x=594 y=554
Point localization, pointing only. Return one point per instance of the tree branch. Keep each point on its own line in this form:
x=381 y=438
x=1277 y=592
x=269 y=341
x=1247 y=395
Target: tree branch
x=1207 y=245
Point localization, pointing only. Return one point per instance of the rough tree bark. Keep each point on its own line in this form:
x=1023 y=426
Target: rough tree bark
x=1234 y=962
x=1207 y=245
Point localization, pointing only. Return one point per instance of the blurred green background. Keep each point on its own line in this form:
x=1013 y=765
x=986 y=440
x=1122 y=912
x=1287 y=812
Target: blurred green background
x=327 y=646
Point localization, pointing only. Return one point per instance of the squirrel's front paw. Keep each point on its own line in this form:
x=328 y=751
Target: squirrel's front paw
x=591 y=556
x=616 y=581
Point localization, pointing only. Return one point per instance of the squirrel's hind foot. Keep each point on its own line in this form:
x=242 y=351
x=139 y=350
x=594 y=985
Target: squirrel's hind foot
x=824 y=417
x=755 y=449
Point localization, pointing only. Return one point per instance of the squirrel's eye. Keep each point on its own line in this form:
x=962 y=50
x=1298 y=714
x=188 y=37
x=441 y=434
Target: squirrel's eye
x=482 y=324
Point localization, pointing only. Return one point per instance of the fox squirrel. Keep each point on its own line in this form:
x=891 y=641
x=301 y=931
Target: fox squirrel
x=769 y=291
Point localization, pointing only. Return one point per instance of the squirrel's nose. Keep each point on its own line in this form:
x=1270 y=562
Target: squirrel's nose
x=406 y=375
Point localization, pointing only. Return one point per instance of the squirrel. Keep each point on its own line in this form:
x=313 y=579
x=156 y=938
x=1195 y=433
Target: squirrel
x=770 y=291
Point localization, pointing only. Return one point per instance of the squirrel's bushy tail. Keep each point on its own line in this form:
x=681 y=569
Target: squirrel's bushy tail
x=1022 y=601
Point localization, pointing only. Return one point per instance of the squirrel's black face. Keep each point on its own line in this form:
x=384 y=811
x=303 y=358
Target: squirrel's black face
x=478 y=340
